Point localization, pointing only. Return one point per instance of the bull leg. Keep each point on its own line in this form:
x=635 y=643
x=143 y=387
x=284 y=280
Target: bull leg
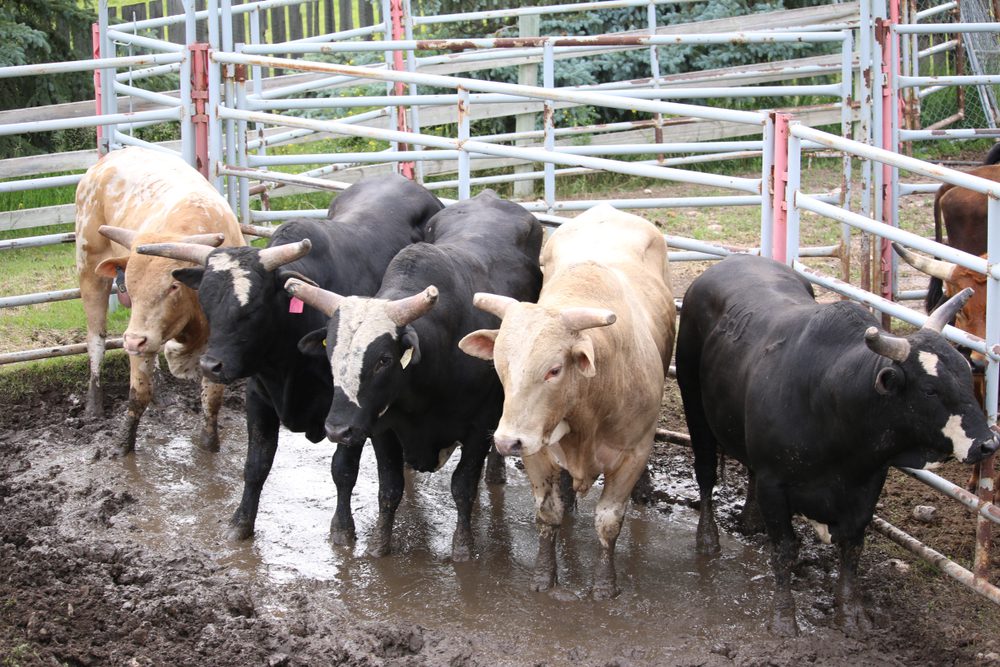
x=750 y=520
x=211 y=401
x=543 y=473
x=94 y=292
x=139 y=395
x=784 y=551
x=610 y=514
x=389 y=453
x=642 y=492
x=344 y=470
x=705 y=463
x=850 y=614
x=566 y=491
x=262 y=443
x=464 y=487
x=496 y=468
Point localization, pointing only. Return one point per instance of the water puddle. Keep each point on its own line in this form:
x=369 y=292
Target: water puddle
x=186 y=497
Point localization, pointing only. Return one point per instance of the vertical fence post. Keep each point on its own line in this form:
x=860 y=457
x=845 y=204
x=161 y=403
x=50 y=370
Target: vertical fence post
x=846 y=99
x=95 y=35
x=396 y=12
x=186 y=78
x=527 y=75
x=464 y=167
x=766 y=185
x=793 y=183
x=548 y=80
x=986 y=490
x=199 y=96
x=866 y=80
x=779 y=183
x=411 y=66
x=214 y=97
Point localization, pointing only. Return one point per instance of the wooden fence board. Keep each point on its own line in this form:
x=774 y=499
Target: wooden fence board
x=294 y=23
x=240 y=26
x=155 y=10
x=366 y=14
x=346 y=11
x=175 y=32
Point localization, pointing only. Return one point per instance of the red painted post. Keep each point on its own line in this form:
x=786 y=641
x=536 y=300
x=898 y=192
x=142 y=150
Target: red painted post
x=95 y=36
x=396 y=14
x=779 y=183
x=199 y=96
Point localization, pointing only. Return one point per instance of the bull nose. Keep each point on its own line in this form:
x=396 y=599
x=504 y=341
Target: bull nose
x=134 y=343
x=991 y=445
x=340 y=433
x=210 y=366
x=508 y=446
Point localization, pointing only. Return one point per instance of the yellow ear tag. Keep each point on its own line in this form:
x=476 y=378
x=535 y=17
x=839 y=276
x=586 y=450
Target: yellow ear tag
x=324 y=342
x=404 y=360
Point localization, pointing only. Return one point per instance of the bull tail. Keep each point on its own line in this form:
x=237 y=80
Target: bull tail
x=935 y=289
x=993 y=157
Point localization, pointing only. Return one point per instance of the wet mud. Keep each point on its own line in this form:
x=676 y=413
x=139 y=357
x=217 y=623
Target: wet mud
x=125 y=562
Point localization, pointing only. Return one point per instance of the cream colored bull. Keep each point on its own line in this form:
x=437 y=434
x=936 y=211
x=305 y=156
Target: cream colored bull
x=583 y=372
x=130 y=197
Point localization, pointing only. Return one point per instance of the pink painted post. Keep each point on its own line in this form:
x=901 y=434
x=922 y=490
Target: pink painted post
x=396 y=14
x=95 y=36
x=779 y=183
x=199 y=96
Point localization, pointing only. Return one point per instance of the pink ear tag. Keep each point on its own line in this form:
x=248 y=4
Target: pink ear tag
x=295 y=305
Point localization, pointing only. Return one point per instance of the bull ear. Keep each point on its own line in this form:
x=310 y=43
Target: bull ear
x=313 y=344
x=888 y=381
x=411 y=346
x=190 y=277
x=283 y=275
x=480 y=343
x=583 y=355
x=109 y=267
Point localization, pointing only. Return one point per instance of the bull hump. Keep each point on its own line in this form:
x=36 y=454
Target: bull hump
x=734 y=323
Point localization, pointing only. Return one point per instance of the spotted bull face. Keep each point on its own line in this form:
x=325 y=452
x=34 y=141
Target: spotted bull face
x=368 y=354
x=542 y=361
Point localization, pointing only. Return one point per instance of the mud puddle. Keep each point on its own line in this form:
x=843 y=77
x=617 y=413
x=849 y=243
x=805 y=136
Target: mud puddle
x=184 y=497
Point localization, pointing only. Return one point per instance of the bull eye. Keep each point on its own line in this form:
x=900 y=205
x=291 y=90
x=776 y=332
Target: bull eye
x=174 y=287
x=384 y=361
x=930 y=391
x=553 y=372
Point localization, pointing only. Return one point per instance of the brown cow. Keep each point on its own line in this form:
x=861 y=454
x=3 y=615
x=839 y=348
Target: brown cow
x=135 y=196
x=583 y=372
x=962 y=212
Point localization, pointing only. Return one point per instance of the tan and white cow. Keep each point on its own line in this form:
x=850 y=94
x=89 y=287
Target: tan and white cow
x=134 y=196
x=583 y=372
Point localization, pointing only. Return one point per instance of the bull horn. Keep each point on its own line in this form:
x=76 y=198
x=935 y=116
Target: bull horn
x=887 y=345
x=935 y=268
x=322 y=300
x=256 y=230
x=186 y=252
x=946 y=311
x=213 y=240
x=495 y=304
x=279 y=255
x=119 y=235
x=404 y=311
x=578 y=319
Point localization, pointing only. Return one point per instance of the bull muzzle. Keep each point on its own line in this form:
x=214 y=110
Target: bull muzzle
x=508 y=446
x=345 y=434
x=212 y=368
x=981 y=450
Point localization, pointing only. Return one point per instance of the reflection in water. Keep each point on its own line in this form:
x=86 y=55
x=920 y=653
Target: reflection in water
x=186 y=496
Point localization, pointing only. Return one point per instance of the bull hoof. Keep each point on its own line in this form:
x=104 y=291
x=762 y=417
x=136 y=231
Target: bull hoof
x=543 y=581
x=707 y=541
x=239 y=533
x=496 y=469
x=93 y=412
x=854 y=622
x=605 y=590
x=751 y=522
x=461 y=548
x=123 y=449
x=207 y=439
x=783 y=624
x=342 y=535
x=379 y=548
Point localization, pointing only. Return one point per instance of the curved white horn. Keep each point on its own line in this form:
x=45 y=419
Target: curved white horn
x=213 y=240
x=404 y=311
x=119 y=235
x=256 y=230
x=322 y=300
x=893 y=347
x=279 y=255
x=578 y=319
x=495 y=304
x=186 y=252
x=947 y=311
x=935 y=268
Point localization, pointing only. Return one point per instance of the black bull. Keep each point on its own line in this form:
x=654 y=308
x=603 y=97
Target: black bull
x=399 y=376
x=817 y=403
x=255 y=327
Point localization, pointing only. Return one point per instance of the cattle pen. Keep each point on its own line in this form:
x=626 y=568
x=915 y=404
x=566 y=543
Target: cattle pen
x=239 y=104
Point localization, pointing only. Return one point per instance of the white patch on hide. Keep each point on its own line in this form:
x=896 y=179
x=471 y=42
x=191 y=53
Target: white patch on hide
x=929 y=361
x=361 y=322
x=95 y=348
x=561 y=429
x=960 y=442
x=932 y=465
x=240 y=276
x=822 y=531
x=558 y=454
x=183 y=363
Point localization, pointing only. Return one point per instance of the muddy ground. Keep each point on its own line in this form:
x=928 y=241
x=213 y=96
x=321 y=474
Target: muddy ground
x=101 y=564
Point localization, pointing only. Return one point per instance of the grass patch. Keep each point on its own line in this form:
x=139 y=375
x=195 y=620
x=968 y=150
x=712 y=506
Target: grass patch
x=63 y=376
